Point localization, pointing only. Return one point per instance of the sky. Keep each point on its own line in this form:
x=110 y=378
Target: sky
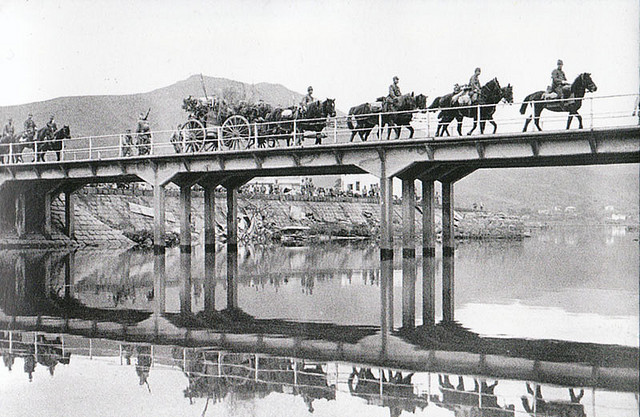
x=348 y=50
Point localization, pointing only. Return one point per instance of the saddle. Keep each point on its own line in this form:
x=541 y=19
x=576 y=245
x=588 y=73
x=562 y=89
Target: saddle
x=376 y=106
x=550 y=94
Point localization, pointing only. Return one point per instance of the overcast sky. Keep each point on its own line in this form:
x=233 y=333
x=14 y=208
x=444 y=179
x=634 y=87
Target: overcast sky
x=347 y=50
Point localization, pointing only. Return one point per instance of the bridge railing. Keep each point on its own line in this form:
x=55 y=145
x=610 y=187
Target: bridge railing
x=596 y=112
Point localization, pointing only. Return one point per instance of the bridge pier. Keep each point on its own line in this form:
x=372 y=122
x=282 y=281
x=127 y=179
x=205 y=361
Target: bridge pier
x=69 y=214
x=209 y=248
x=428 y=252
x=232 y=246
x=408 y=253
x=185 y=248
x=159 y=195
x=386 y=217
x=448 y=251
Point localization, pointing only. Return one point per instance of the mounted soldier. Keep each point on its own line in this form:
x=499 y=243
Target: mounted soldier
x=394 y=92
x=558 y=81
x=9 y=130
x=29 y=129
x=51 y=124
x=474 y=85
x=306 y=100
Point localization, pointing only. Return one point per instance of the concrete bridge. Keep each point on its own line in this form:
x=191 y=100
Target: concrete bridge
x=27 y=189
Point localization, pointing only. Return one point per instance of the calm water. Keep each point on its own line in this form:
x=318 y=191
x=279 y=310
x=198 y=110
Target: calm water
x=570 y=284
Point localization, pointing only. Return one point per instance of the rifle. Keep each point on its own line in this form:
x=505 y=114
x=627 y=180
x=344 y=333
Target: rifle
x=147 y=115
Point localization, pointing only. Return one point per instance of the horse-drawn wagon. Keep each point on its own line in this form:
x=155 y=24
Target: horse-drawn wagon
x=214 y=125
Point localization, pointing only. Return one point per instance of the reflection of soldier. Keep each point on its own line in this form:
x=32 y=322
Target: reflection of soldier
x=143 y=364
x=481 y=399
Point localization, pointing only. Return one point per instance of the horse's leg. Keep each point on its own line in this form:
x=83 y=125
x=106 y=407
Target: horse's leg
x=398 y=130
x=459 y=120
x=475 y=124
x=353 y=135
x=495 y=126
x=411 y=131
x=526 y=123
x=579 y=120
x=536 y=117
x=569 y=119
x=482 y=124
x=318 y=138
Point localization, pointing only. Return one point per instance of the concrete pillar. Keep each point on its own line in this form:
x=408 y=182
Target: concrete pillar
x=185 y=280
x=428 y=219
x=408 y=292
x=209 y=219
x=159 y=219
x=408 y=253
x=185 y=219
x=48 y=197
x=209 y=249
x=232 y=247
x=69 y=214
x=232 y=219
x=386 y=218
x=428 y=290
x=408 y=218
x=20 y=217
x=448 y=242
x=448 y=251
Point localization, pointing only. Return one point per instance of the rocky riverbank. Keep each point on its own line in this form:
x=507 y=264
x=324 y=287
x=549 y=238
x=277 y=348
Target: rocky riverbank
x=125 y=217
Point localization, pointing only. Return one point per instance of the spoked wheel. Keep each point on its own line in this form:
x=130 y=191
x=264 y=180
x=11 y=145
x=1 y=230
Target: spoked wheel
x=236 y=132
x=193 y=135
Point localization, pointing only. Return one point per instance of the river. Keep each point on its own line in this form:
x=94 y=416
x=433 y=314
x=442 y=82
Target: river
x=560 y=286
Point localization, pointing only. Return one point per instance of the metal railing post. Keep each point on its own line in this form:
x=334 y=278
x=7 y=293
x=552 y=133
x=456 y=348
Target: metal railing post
x=335 y=130
x=62 y=148
x=120 y=141
x=35 y=152
x=184 y=143
x=151 y=147
x=295 y=129
x=379 y=125
x=10 y=342
x=255 y=133
x=428 y=130
x=479 y=115
x=10 y=153
x=219 y=138
x=90 y=147
x=591 y=112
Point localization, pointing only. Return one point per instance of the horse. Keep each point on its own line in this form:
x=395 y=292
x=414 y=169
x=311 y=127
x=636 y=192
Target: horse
x=315 y=118
x=363 y=118
x=582 y=84
x=54 y=143
x=445 y=117
x=490 y=95
x=280 y=122
x=402 y=113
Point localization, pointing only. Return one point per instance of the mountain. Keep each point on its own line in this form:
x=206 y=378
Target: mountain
x=111 y=114
x=589 y=189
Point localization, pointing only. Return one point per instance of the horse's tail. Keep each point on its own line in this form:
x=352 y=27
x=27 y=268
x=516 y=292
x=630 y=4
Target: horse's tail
x=525 y=103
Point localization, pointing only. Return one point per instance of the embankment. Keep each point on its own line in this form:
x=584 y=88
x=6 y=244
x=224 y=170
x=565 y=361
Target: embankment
x=124 y=217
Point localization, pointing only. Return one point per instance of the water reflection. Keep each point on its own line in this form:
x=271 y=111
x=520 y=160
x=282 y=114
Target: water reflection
x=218 y=382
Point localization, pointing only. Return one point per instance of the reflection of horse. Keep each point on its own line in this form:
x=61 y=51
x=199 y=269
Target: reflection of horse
x=555 y=408
x=280 y=121
x=397 y=390
x=575 y=93
x=49 y=353
x=463 y=402
x=490 y=95
x=403 y=112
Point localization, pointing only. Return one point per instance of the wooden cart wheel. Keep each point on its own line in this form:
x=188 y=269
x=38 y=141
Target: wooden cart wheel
x=236 y=132
x=193 y=135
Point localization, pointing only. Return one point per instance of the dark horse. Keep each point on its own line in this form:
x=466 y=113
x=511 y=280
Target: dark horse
x=54 y=143
x=364 y=117
x=490 y=95
x=280 y=123
x=580 y=86
x=403 y=113
x=45 y=139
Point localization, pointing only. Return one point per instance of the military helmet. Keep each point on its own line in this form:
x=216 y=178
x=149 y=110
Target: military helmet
x=395 y=78
x=559 y=62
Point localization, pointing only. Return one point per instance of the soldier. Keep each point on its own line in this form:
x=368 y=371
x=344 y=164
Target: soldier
x=8 y=130
x=394 y=89
x=306 y=100
x=29 y=127
x=143 y=135
x=558 y=79
x=127 y=144
x=51 y=124
x=474 y=85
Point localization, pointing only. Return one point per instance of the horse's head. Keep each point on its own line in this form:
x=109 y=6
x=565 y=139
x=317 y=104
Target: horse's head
x=588 y=82
x=507 y=93
x=421 y=101
x=329 y=107
x=66 y=132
